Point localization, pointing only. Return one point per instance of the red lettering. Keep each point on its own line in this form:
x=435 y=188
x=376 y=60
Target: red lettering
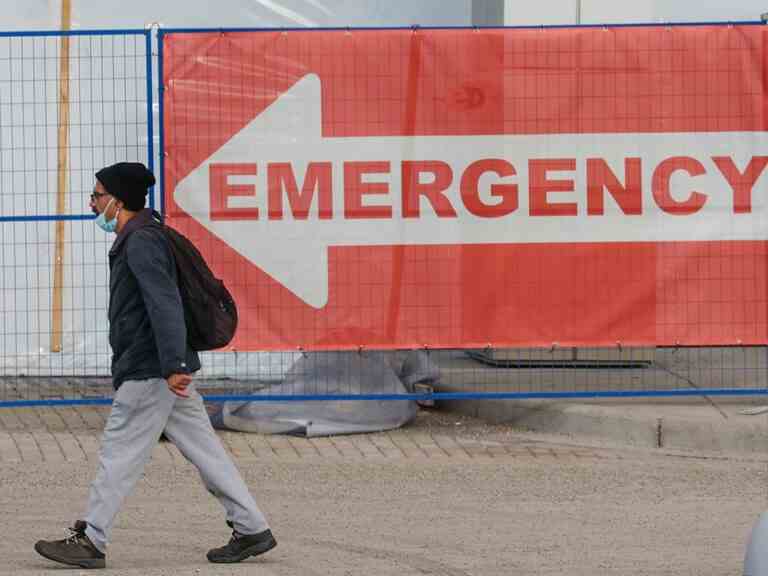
x=355 y=188
x=660 y=186
x=540 y=187
x=221 y=191
x=741 y=183
x=600 y=177
x=507 y=192
x=434 y=191
x=318 y=177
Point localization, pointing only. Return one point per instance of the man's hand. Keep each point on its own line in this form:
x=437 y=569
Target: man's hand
x=178 y=383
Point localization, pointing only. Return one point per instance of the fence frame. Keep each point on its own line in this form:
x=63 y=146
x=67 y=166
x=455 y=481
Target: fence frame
x=426 y=397
x=147 y=33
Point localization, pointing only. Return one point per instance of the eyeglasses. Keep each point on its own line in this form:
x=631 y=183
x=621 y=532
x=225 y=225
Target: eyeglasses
x=96 y=195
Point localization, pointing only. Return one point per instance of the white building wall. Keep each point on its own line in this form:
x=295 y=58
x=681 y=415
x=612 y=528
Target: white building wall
x=559 y=12
x=88 y=14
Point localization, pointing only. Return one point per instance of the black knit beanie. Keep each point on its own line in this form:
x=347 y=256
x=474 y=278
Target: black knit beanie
x=127 y=181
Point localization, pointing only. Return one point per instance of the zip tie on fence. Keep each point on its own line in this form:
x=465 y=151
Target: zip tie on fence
x=154 y=28
x=302 y=351
x=552 y=349
x=360 y=349
x=618 y=345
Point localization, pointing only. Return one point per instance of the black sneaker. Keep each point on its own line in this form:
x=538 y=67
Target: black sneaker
x=75 y=550
x=242 y=546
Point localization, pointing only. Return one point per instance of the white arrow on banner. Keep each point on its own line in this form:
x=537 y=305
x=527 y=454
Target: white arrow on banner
x=295 y=251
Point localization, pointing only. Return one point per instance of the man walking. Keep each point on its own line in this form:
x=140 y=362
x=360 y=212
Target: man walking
x=152 y=365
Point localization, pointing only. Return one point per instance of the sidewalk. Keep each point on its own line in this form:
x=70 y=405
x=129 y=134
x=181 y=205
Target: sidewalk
x=715 y=424
x=718 y=424
x=73 y=433
x=693 y=424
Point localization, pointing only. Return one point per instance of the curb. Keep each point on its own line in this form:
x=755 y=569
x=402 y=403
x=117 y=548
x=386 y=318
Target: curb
x=677 y=426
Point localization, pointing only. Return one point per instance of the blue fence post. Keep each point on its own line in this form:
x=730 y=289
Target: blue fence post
x=161 y=102
x=150 y=116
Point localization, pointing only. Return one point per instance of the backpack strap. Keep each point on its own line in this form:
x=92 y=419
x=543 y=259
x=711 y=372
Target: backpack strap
x=146 y=217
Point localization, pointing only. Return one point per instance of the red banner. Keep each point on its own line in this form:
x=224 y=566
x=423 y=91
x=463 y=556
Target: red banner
x=465 y=188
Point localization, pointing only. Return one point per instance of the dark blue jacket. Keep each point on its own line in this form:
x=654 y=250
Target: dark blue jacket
x=147 y=332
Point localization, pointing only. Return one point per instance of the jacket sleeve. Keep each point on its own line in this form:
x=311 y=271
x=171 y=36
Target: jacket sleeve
x=151 y=261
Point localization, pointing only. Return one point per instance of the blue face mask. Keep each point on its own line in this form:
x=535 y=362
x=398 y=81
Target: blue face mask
x=103 y=223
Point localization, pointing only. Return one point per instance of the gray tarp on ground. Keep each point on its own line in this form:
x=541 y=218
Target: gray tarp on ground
x=320 y=373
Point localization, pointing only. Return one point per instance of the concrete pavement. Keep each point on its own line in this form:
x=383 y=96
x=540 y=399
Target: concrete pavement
x=693 y=422
x=715 y=425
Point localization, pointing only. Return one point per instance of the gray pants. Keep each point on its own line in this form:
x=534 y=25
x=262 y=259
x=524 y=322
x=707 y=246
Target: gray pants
x=141 y=411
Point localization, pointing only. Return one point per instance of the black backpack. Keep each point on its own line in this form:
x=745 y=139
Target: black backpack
x=210 y=312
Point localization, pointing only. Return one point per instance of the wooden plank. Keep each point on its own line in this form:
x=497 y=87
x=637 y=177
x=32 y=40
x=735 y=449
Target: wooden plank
x=62 y=172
